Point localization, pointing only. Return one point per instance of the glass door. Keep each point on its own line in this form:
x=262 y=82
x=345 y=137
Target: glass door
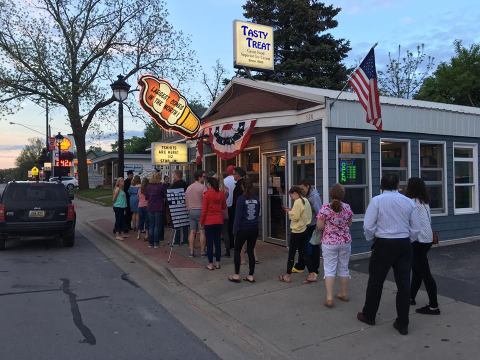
x=275 y=197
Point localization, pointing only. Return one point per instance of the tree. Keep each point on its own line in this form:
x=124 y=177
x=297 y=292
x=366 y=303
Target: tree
x=68 y=52
x=305 y=54
x=456 y=82
x=29 y=157
x=405 y=74
x=214 y=86
x=96 y=149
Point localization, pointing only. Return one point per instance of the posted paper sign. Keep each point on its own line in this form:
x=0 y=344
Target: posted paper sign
x=166 y=153
x=252 y=45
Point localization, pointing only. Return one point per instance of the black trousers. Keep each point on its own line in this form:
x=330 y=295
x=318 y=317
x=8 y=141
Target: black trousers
x=421 y=272
x=386 y=254
x=297 y=243
x=231 y=219
x=249 y=236
x=312 y=251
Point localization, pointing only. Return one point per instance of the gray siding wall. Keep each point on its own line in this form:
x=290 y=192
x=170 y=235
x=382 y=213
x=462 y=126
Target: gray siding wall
x=450 y=226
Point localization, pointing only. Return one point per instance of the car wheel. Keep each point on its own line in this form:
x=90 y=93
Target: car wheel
x=70 y=187
x=3 y=243
x=68 y=240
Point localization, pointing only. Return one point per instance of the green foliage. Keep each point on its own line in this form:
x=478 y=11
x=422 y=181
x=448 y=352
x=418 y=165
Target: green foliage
x=456 y=82
x=305 y=53
x=29 y=157
x=7 y=175
x=405 y=74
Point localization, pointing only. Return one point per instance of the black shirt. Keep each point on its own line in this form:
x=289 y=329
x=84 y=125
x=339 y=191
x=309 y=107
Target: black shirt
x=179 y=184
x=237 y=192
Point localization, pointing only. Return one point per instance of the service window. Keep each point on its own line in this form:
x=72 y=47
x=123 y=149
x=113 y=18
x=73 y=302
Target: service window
x=395 y=160
x=302 y=158
x=250 y=162
x=353 y=172
x=432 y=171
x=210 y=164
x=466 y=178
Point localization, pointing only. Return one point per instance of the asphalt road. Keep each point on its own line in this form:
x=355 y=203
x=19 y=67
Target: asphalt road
x=455 y=269
x=73 y=303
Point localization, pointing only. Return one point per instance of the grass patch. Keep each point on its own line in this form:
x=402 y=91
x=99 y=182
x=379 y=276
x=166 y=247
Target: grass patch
x=101 y=195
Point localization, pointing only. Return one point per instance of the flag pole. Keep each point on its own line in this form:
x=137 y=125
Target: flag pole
x=349 y=77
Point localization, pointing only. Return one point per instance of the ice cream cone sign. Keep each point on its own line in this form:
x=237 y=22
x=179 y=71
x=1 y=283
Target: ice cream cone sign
x=167 y=106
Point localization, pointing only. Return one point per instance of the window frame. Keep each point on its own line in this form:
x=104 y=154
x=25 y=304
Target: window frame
x=409 y=154
x=238 y=160
x=291 y=143
x=368 y=154
x=210 y=155
x=474 y=161
x=445 y=177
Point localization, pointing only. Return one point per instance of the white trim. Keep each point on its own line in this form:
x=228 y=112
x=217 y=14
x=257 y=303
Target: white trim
x=358 y=217
x=474 y=161
x=445 y=193
x=409 y=154
x=325 y=180
x=265 y=194
x=289 y=159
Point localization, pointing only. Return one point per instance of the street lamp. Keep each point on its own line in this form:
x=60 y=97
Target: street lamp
x=120 y=92
x=58 y=140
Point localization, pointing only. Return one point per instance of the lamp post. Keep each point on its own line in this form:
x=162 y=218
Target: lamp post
x=58 y=140
x=120 y=92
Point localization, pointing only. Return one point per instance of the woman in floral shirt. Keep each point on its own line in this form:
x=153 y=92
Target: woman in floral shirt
x=335 y=220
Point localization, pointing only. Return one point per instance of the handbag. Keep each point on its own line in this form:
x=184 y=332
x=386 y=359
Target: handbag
x=316 y=238
x=435 y=234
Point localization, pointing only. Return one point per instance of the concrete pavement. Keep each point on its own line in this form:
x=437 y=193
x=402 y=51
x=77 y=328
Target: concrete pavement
x=270 y=319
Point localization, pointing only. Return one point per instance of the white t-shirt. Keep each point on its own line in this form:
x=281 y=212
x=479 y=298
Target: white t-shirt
x=230 y=182
x=424 y=216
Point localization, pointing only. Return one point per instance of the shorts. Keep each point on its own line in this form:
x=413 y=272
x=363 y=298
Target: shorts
x=194 y=216
x=336 y=259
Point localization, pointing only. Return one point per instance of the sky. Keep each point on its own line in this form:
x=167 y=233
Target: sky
x=208 y=24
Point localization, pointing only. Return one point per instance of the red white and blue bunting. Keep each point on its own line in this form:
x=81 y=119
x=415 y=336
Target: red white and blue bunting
x=230 y=139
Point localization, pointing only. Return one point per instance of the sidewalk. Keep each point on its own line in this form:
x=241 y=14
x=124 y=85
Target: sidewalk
x=292 y=318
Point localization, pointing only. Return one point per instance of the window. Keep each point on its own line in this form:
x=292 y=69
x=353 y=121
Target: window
x=210 y=164
x=395 y=160
x=432 y=171
x=302 y=157
x=250 y=162
x=465 y=182
x=353 y=172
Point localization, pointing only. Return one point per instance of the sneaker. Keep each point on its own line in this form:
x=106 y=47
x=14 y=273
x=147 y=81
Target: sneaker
x=155 y=246
x=403 y=330
x=427 y=310
x=191 y=255
x=297 y=271
x=361 y=317
x=138 y=236
x=150 y=246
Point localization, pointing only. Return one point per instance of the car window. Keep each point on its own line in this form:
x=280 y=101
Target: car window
x=34 y=192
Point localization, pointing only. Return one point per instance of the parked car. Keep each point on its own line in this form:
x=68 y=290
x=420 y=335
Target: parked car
x=37 y=210
x=69 y=181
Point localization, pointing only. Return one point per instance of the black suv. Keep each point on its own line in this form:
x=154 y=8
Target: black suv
x=36 y=210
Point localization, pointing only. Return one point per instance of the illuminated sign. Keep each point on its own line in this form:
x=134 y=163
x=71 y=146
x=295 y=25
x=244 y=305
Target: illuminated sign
x=165 y=153
x=348 y=171
x=34 y=171
x=63 y=163
x=47 y=166
x=167 y=106
x=252 y=45
x=66 y=144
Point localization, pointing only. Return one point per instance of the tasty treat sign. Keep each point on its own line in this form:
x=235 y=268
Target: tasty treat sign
x=252 y=46
x=167 y=106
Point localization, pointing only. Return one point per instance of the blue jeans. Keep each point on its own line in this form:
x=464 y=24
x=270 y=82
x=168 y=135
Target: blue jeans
x=213 y=233
x=155 y=227
x=142 y=218
x=185 y=231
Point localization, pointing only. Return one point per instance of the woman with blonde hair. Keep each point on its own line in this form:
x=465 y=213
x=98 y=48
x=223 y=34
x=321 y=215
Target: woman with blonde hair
x=335 y=220
x=119 y=205
x=155 y=195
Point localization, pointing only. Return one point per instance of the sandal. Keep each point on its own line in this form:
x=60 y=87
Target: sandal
x=211 y=268
x=343 y=298
x=233 y=279
x=217 y=266
x=329 y=303
x=251 y=281
x=284 y=278
x=310 y=280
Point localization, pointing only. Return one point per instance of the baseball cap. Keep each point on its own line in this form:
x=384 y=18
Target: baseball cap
x=230 y=169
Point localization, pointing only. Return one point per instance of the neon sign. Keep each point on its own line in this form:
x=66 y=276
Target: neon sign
x=167 y=106
x=348 y=171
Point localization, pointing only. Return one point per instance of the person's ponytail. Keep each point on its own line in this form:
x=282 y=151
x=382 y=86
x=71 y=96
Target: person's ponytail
x=336 y=205
x=337 y=193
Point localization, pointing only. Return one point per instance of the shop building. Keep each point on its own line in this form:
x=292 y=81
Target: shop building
x=304 y=133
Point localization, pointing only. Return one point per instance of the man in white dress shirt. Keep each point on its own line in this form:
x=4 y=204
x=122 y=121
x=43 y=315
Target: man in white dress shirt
x=391 y=222
x=230 y=182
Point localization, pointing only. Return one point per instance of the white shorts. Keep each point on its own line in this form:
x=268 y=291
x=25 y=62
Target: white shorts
x=335 y=259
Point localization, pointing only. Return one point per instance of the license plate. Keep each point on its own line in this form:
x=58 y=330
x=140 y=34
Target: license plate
x=36 y=213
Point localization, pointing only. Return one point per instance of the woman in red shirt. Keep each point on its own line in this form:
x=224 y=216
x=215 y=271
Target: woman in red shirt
x=213 y=205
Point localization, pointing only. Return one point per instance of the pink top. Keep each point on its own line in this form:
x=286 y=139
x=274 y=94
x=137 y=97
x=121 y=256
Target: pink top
x=337 y=225
x=142 y=202
x=194 y=196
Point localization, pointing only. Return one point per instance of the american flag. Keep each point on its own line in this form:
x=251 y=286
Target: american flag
x=364 y=82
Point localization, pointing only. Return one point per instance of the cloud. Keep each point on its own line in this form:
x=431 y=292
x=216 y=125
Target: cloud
x=10 y=147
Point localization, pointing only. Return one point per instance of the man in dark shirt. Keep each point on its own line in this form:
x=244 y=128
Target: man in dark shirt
x=179 y=183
